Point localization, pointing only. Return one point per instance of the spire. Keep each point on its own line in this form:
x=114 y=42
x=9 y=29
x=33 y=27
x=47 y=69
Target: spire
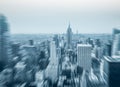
x=69 y=25
x=2 y=17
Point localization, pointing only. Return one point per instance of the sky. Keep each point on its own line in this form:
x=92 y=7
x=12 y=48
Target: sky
x=53 y=16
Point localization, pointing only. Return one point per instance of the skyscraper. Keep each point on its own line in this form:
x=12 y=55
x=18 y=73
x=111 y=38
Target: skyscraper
x=15 y=49
x=52 y=51
x=99 y=52
x=115 y=31
x=96 y=66
x=112 y=71
x=108 y=49
x=56 y=39
x=52 y=69
x=69 y=37
x=112 y=64
x=5 y=51
x=116 y=46
x=84 y=56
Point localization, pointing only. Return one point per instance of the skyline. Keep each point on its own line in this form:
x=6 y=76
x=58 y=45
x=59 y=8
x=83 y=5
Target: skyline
x=59 y=43
x=51 y=16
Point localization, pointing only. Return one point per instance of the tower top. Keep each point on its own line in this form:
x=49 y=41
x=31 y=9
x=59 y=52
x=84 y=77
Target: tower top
x=2 y=17
x=69 y=25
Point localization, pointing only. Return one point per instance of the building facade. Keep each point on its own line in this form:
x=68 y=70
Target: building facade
x=112 y=71
x=52 y=69
x=84 y=56
x=116 y=46
x=69 y=37
x=5 y=51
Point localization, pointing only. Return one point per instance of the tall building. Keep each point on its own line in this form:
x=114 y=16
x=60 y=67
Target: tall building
x=84 y=56
x=95 y=78
x=99 y=52
x=111 y=65
x=53 y=54
x=52 y=69
x=5 y=51
x=15 y=49
x=69 y=37
x=31 y=42
x=112 y=71
x=96 y=66
x=116 y=46
x=115 y=31
x=59 y=60
x=56 y=39
x=39 y=78
x=108 y=49
x=84 y=79
x=98 y=43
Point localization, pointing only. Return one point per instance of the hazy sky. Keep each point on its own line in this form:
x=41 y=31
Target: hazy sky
x=53 y=16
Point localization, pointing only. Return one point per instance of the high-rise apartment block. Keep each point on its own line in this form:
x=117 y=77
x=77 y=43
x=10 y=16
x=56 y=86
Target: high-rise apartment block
x=84 y=56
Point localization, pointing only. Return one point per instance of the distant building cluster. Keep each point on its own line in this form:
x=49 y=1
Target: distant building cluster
x=60 y=60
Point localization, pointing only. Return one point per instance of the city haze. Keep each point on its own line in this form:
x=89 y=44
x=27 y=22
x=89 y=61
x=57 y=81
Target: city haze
x=53 y=16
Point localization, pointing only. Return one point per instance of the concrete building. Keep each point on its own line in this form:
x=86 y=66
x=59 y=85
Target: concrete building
x=52 y=69
x=116 y=46
x=99 y=52
x=84 y=56
x=115 y=31
x=5 y=51
x=39 y=78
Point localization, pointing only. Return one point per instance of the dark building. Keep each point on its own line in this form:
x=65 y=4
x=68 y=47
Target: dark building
x=31 y=42
x=69 y=37
x=15 y=49
x=112 y=71
x=108 y=49
x=5 y=51
x=90 y=41
x=98 y=42
x=96 y=66
x=43 y=63
x=56 y=39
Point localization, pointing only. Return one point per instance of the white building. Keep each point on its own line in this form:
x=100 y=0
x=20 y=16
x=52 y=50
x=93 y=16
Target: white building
x=39 y=78
x=52 y=69
x=84 y=56
x=52 y=51
x=83 y=80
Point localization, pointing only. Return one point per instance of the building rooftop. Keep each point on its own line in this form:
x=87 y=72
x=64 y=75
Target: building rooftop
x=27 y=46
x=84 y=45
